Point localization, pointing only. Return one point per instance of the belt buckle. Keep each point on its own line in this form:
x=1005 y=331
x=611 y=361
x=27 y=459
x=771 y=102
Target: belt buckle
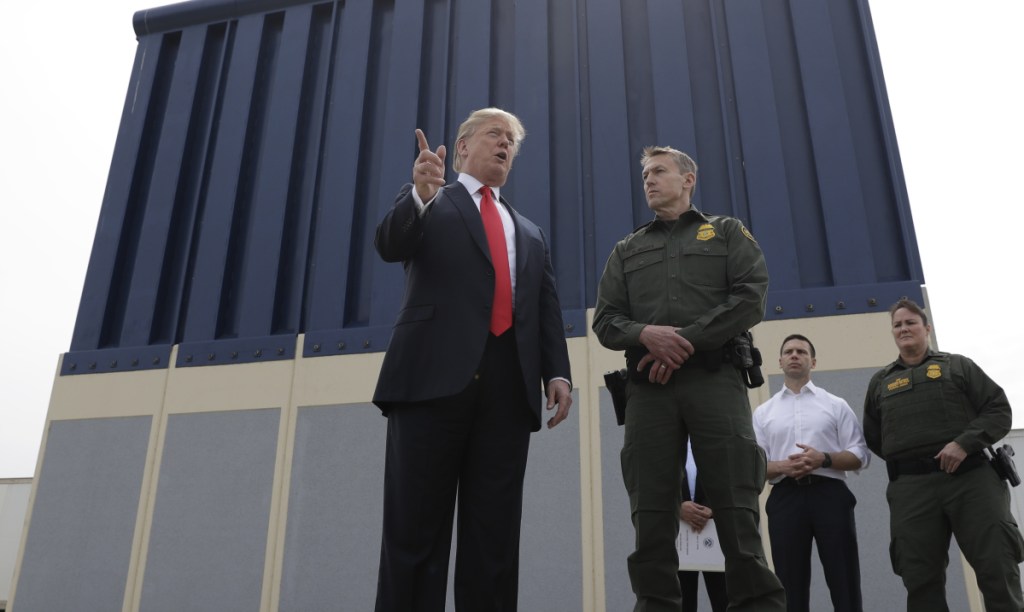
x=805 y=481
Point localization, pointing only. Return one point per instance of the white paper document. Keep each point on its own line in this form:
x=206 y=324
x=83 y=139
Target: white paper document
x=700 y=551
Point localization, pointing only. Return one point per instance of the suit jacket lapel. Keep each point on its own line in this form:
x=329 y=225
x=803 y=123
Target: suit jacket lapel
x=470 y=214
x=522 y=242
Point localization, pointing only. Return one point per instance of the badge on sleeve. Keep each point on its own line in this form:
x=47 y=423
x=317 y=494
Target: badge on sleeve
x=705 y=232
x=933 y=371
x=747 y=233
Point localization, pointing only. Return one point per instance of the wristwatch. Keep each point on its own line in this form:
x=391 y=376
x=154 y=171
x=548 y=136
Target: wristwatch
x=827 y=463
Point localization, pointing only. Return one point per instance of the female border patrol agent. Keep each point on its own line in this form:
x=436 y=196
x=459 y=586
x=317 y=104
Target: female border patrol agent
x=929 y=415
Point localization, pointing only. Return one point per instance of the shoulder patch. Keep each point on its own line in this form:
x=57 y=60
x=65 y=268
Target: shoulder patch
x=747 y=233
x=705 y=232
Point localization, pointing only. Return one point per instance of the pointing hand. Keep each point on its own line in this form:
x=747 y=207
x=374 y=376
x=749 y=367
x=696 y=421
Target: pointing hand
x=428 y=170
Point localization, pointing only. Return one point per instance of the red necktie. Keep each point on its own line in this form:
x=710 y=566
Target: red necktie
x=501 y=310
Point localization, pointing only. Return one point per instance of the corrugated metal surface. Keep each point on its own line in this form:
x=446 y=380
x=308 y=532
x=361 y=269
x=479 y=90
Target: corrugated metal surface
x=262 y=141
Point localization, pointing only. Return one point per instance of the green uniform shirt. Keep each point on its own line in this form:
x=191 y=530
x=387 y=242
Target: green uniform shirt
x=704 y=274
x=914 y=411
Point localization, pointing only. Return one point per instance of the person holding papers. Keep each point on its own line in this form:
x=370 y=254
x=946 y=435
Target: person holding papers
x=695 y=516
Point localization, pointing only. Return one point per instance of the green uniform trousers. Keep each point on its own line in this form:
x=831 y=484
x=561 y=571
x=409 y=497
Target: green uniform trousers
x=975 y=507
x=712 y=409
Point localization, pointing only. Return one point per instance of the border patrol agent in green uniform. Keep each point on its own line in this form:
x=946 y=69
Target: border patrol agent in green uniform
x=673 y=294
x=929 y=415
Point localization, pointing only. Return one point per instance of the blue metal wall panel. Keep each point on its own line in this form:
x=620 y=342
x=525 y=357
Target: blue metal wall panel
x=765 y=160
x=261 y=142
x=832 y=144
x=567 y=153
x=340 y=169
x=101 y=279
x=403 y=77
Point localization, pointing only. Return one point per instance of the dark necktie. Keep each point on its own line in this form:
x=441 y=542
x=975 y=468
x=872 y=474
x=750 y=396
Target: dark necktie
x=501 y=310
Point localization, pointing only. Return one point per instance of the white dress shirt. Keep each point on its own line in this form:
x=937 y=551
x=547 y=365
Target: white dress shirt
x=813 y=417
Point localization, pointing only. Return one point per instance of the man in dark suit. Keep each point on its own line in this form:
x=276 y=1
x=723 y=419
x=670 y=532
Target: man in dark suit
x=696 y=515
x=479 y=331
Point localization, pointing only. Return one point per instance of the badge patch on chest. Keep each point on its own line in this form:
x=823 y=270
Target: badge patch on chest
x=705 y=232
x=933 y=371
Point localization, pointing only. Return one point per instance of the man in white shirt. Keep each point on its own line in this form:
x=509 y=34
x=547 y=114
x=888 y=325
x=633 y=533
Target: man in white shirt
x=812 y=438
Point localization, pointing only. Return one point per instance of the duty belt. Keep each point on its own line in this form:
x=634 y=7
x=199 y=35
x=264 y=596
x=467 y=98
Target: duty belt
x=710 y=360
x=928 y=465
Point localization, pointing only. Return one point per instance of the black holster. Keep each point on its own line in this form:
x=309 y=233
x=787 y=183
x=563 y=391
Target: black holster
x=1001 y=460
x=615 y=382
x=747 y=358
x=892 y=470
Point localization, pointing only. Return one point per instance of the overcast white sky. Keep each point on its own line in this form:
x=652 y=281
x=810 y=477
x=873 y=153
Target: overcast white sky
x=953 y=71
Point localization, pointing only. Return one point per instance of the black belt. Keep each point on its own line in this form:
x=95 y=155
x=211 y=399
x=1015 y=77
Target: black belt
x=928 y=465
x=804 y=481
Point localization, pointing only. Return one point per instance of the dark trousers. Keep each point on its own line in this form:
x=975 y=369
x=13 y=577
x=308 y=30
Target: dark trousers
x=711 y=408
x=471 y=447
x=974 y=506
x=714 y=584
x=823 y=512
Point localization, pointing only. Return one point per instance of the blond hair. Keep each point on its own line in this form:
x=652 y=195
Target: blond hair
x=470 y=125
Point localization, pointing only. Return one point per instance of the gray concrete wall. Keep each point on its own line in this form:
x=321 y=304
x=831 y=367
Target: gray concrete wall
x=14 y=495
x=78 y=552
x=259 y=487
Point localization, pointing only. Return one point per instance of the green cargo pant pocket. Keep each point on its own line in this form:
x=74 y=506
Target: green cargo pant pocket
x=1016 y=542
x=739 y=475
x=629 y=476
x=895 y=558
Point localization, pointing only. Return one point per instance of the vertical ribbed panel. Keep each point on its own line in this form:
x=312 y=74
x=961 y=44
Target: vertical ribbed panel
x=261 y=143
